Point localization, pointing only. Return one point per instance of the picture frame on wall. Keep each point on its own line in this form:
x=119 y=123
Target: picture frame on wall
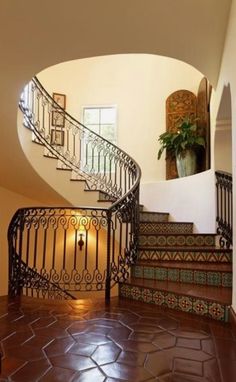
x=58 y=118
x=57 y=137
x=60 y=99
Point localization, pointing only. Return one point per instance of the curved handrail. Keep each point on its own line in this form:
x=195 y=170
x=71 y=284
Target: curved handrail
x=36 y=102
x=104 y=167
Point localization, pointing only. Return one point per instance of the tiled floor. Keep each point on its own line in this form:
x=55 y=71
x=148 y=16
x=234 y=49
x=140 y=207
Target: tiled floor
x=84 y=341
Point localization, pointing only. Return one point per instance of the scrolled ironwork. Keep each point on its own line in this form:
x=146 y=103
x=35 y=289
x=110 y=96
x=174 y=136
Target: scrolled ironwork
x=44 y=257
x=224 y=208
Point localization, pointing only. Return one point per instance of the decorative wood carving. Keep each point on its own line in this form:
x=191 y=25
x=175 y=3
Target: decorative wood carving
x=180 y=104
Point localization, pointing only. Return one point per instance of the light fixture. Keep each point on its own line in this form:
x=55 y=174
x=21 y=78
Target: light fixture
x=81 y=238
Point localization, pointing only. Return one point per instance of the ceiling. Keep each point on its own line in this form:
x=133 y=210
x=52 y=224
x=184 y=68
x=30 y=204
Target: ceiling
x=37 y=34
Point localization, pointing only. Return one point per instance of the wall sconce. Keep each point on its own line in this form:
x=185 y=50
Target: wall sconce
x=81 y=238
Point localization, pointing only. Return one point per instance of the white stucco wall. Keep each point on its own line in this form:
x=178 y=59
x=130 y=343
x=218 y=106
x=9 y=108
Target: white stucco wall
x=190 y=199
x=228 y=77
x=9 y=203
x=138 y=84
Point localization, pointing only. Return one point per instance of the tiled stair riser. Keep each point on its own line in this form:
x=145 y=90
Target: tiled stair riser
x=176 y=301
x=223 y=279
x=179 y=255
x=153 y=217
x=187 y=240
x=165 y=228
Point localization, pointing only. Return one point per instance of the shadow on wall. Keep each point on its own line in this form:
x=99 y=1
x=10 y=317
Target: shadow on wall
x=223 y=133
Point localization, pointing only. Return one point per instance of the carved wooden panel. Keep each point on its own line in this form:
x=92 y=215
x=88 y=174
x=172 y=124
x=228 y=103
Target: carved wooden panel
x=180 y=104
x=203 y=115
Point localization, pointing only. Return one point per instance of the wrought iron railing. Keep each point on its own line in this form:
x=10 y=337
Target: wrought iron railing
x=224 y=207
x=75 y=249
x=100 y=163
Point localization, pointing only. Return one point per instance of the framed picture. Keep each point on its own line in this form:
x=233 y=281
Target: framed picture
x=57 y=137
x=60 y=99
x=58 y=118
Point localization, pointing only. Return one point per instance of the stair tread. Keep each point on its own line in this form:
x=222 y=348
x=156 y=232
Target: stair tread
x=154 y=212
x=213 y=293
x=185 y=249
x=223 y=267
x=164 y=222
x=177 y=234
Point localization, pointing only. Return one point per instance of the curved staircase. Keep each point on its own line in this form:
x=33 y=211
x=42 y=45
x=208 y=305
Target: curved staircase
x=171 y=266
x=179 y=269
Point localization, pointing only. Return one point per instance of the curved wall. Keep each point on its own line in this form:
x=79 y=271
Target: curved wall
x=138 y=84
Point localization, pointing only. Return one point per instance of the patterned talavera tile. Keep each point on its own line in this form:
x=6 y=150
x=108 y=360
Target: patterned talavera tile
x=171 y=300
x=165 y=228
x=137 y=271
x=147 y=295
x=180 y=255
x=173 y=274
x=186 y=276
x=176 y=301
x=217 y=311
x=161 y=273
x=185 y=304
x=158 y=297
x=200 y=307
x=149 y=273
x=227 y=279
x=200 y=277
x=153 y=217
x=214 y=278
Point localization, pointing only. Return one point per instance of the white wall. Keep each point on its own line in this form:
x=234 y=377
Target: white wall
x=189 y=199
x=228 y=77
x=138 y=85
x=9 y=203
x=223 y=146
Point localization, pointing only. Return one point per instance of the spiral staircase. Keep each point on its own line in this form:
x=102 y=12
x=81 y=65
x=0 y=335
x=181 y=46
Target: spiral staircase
x=63 y=252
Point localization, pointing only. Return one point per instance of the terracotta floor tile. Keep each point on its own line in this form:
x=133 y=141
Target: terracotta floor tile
x=94 y=339
x=59 y=346
x=127 y=372
x=132 y=358
x=72 y=361
x=83 y=349
x=89 y=376
x=228 y=369
x=32 y=371
x=226 y=348
x=106 y=354
x=120 y=342
x=58 y=374
x=164 y=340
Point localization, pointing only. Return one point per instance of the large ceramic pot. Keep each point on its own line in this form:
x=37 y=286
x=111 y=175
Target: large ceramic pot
x=186 y=163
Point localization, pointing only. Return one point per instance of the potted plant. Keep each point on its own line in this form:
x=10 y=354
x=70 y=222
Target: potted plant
x=182 y=144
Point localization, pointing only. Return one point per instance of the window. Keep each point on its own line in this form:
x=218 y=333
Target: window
x=101 y=120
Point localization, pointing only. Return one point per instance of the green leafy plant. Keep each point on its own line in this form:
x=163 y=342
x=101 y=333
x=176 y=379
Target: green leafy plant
x=183 y=139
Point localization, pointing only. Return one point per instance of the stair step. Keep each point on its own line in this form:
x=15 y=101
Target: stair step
x=191 y=272
x=209 y=301
x=215 y=255
x=149 y=216
x=165 y=227
x=176 y=240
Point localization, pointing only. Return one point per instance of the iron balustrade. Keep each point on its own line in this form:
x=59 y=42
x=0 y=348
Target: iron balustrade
x=104 y=166
x=224 y=207
x=56 y=251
